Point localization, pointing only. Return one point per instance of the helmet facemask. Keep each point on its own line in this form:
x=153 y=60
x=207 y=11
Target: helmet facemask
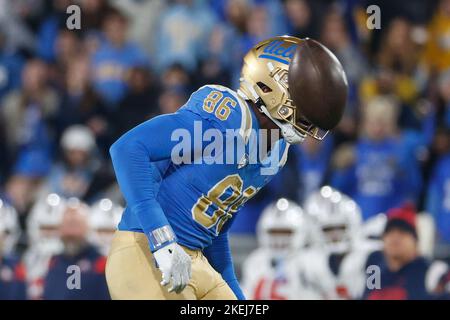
x=337 y=238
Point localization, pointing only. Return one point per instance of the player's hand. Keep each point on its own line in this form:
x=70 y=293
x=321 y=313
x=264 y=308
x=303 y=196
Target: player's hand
x=175 y=265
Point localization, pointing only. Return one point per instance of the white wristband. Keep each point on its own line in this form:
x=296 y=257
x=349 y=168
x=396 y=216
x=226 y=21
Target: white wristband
x=161 y=236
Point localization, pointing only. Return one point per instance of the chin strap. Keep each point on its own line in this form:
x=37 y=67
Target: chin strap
x=288 y=132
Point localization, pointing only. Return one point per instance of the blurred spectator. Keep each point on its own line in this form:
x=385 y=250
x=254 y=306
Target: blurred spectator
x=437 y=51
x=49 y=29
x=177 y=77
x=313 y=159
x=276 y=11
x=257 y=27
x=398 y=52
x=171 y=100
x=216 y=63
x=300 y=18
x=80 y=104
x=114 y=57
x=264 y=19
x=68 y=50
x=19 y=37
x=94 y=13
x=306 y=170
x=335 y=36
x=182 y=32
x=305 y=17
x=396 y=73
x=443 y=103
x=88 y=275
x=28 y=114
x=72 y=176
x=11 y=64
x=140 y=103
x=382 y=171
x=144 y=16
x=403 y=271
x=236 y=13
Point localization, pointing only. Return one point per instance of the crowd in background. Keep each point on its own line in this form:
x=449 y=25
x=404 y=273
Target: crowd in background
x=66 y=95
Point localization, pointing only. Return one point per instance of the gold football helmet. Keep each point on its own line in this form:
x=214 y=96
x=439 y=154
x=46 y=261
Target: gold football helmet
x=265 y=81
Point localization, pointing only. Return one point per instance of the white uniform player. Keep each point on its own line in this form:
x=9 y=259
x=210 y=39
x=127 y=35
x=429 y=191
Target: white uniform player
x=271 y=271
x=103 y=220
x=371 y=233
x=9 y=228
x=44 y=241
x=335 y=267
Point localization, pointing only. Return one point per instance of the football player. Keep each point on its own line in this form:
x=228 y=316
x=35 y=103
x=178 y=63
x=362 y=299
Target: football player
x=270 y=272
x=182 y=196
x=335 y=267
x=9 y=224
x=12 y=270
x=43 y=236
x=104 y=216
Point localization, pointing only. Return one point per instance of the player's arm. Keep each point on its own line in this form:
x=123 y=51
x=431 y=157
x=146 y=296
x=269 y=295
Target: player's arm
x=219 y=256
x=132 y=156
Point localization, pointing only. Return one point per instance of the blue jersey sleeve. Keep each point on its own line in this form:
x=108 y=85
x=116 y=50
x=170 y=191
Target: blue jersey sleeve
x=134 y=156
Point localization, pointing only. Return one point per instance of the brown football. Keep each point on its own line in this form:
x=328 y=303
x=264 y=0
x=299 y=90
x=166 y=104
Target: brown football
x=317 y=84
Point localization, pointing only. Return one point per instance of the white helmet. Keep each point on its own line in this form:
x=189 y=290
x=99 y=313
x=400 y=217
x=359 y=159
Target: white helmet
x=9 y=228
x=103 y=220
x=78 y=137
x=282 y=227
x=337 y=216
x=43 y=224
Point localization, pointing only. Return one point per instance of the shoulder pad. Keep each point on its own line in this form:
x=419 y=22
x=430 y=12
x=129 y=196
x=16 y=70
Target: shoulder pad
x=222 y=106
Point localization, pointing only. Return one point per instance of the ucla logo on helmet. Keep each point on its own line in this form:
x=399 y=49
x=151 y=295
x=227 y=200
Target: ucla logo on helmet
x=278 y=51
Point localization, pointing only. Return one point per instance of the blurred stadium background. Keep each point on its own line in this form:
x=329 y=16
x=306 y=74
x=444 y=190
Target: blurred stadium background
x=65 y=96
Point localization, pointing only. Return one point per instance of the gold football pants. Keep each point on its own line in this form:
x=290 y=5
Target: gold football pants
x=131 y=273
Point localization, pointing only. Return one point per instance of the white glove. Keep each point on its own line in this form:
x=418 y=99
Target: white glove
x=175 y=265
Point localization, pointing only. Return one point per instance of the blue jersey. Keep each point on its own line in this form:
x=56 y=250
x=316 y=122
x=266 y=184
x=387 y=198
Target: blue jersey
x=396 y=178
x=438 y=202
x=12 y=279
x=200 y=199
x=193 y=170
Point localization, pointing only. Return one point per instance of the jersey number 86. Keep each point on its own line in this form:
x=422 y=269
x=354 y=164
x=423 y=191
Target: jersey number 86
x=225 y=207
